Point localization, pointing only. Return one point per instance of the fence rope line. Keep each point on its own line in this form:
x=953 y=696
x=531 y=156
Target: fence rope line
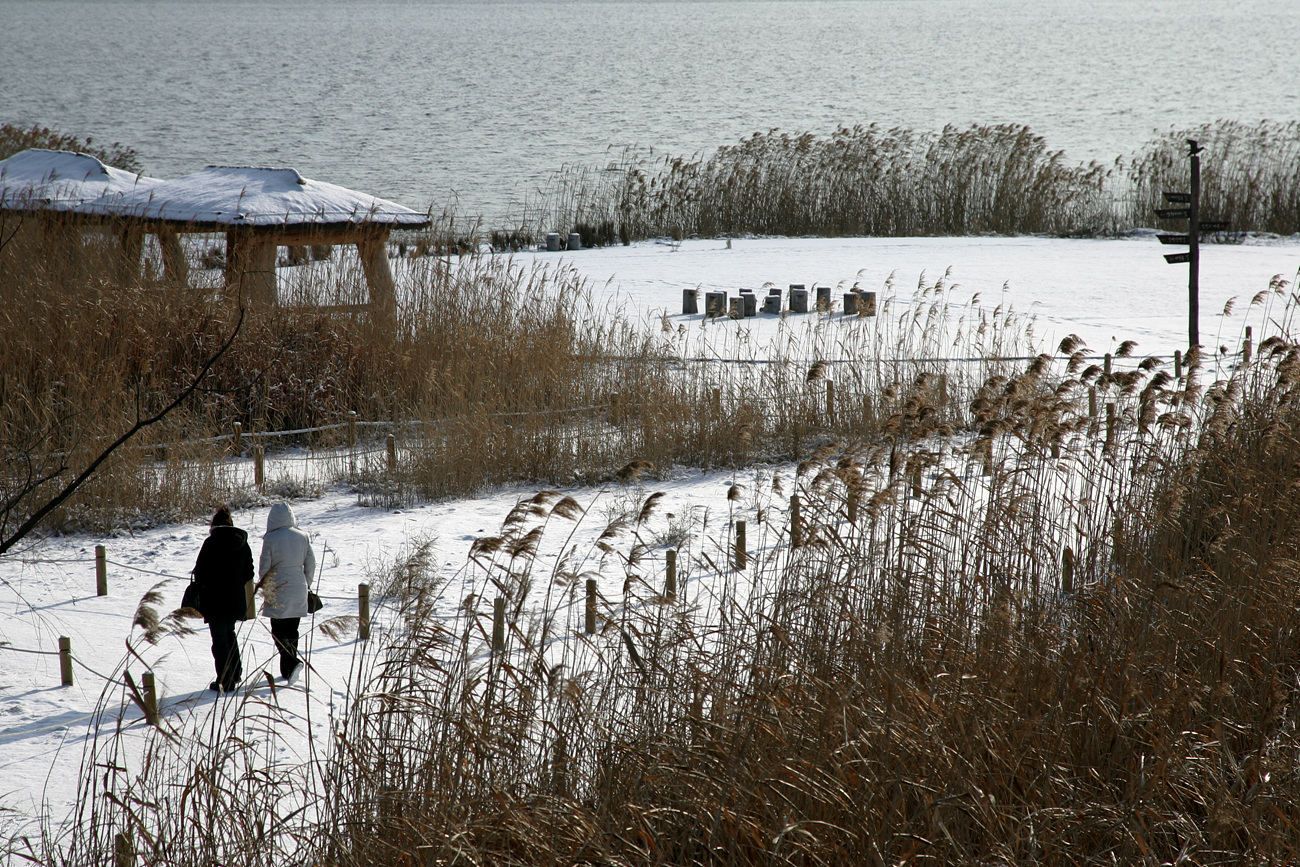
x=40 y=561
x=7 y=646
x=145 y=571
x=92 y=671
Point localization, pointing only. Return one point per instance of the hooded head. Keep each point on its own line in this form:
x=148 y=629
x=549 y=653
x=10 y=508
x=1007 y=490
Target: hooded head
x=281 y=516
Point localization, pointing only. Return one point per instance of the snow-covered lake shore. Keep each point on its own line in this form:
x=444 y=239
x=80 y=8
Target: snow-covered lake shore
x=1104 y=291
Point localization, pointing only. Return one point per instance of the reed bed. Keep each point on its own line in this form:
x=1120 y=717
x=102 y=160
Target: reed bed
x=1053 y=635
x=495 y=373
x=868 y=180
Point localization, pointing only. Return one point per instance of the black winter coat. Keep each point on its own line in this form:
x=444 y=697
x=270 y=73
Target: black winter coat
x=224 y=566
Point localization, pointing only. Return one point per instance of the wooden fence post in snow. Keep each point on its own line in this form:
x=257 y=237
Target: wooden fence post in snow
x=1178 y=364
x=259 y=466
x=392 y=453
x=1245 y=347
x=591 y=606
x=796 y=532
x=352 y=428
x=65 y=660
x=498 y=625
x=238 y=437
x=670 y=579
x=101 y=571
x=363 y=611
x=123 y=850
x=1067 y=570
x=741 y=557
x=150 y=690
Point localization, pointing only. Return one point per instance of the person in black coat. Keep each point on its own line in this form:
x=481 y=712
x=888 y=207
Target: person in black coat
x=222 y=573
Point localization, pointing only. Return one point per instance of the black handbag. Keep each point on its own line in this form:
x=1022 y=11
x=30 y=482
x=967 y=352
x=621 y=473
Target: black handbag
x=313 y=603
x=191 y=597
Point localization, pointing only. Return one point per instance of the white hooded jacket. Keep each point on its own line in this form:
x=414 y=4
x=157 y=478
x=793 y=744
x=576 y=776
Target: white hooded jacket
x=287 y=557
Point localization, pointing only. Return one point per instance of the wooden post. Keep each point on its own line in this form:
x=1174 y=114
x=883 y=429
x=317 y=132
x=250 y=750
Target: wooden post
x=392 y=453
x=918 y=487
x=1067 y=570
x=238 y=437
x=123 y=850
x=591 y=606
x=1245 y=348
x=670 y=579
x=560 y=768
x=1110 y=426
x=498 y=625
x=132 y=241
x=796 y=532
x=741 y=558
x=250 y=266
x=1106 y=365
x=101 y=571
x=352 y=428
x=259 y=466
x=830 y=402
x=150 y=690
x=1194 y=250
x=363 y=611
x=1178 y=364
x=1092 y=402
x=373 y=250
x=65 y=660
x=176 y=269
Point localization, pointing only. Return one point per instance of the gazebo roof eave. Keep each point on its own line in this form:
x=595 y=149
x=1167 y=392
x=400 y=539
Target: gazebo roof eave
x=342 y=227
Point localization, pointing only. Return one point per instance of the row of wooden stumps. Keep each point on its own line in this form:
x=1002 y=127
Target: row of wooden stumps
x=746 y=303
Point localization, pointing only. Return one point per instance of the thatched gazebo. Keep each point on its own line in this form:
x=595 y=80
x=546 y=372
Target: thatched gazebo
x=262 y=209
x=50 y=191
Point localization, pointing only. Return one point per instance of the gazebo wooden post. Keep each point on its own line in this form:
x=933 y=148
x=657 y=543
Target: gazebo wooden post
x=176 y=270
x=250 y=265
x=132 y=238
x=372 y=247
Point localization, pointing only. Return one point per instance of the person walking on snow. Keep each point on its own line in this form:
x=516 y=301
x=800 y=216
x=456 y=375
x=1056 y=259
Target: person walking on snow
x=222 y=573
x=285 y=566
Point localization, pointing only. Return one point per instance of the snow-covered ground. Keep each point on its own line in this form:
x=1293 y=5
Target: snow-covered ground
x=1105 y=291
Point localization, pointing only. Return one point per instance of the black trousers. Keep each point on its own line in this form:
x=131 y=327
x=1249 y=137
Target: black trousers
x=285 y=632
x=225 y=653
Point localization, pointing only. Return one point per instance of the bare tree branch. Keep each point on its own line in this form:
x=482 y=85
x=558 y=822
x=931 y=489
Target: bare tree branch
x=141 y=423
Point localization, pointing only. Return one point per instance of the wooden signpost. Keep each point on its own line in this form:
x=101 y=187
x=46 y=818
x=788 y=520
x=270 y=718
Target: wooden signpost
x=1192 y=238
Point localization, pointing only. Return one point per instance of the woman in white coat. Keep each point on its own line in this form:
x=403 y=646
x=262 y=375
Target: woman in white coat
x=285 y=568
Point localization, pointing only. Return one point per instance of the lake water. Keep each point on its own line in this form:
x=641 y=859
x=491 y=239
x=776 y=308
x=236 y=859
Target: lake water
x=430 y=101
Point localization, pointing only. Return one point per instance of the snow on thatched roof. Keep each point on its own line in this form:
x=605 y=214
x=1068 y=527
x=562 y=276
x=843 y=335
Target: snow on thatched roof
x=61 y=180
x=255 y=197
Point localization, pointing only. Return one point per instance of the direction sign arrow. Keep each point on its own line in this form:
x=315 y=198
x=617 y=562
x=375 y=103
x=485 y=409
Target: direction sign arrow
x=1174 y=239
x=1173 y=213
x=1176 y=258
x=1178 y=198
x=1213 y=226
